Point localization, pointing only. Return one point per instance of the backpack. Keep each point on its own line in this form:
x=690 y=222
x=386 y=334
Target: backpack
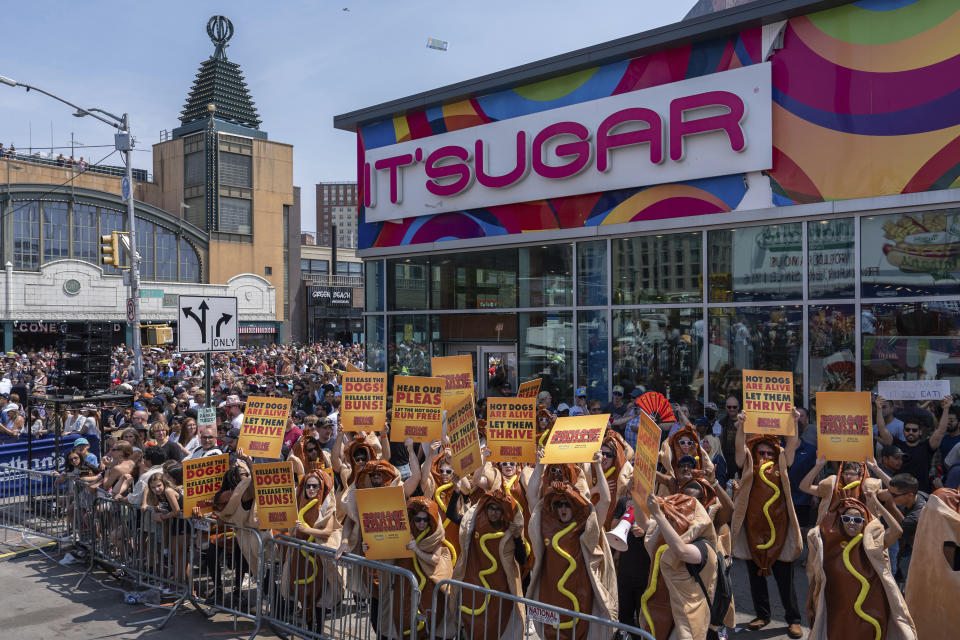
x=723 y=594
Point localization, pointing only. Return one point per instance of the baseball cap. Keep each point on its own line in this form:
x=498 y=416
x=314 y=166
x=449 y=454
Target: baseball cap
x=711 y=405
x=563 y=407
x=81 y=442
x=687 y=461
x=233 y=434
x=618 y=390
x=890 y=451
x=581 y=391
x=636 y=393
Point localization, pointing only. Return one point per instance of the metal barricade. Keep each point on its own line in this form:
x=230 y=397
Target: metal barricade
x=227 y=574
x=472 y=612
x=33 y=504
x=312 y=594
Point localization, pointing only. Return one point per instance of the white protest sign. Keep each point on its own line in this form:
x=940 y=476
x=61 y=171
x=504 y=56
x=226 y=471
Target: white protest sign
x=206 y=416
x=913 y=389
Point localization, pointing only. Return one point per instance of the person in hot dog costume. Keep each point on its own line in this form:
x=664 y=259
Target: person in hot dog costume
x=312 y=578
x=492 y=552
x=430 y=564
x=852 y=591
x=438 y=481
x=932 y=592
x=683 y=442
x=516 y=479
x=617 y=473
x=573 y=568
x=850 y=481
x=673 y=605
x=765 y=530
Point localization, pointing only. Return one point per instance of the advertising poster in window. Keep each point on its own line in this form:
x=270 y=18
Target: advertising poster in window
x=575 y=439
x=768 y=402
x=844 y=425
x=202 y=478
x=276 y=498
x=529 y=389
x=457 y=375
x=383 y=523
x=911 y=254
x=417 y=409
x=363 y=401
x=464 y=438
x=264 y=422
x=511 y=429
x=645 y=460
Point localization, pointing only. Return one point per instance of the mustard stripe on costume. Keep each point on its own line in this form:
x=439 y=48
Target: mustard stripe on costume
x=446 y=520
x=864 y=587
x=652 y=588
x=483 y=574
x=766 y=507
x=572 y=566
x=310 y=559
x=852 y=485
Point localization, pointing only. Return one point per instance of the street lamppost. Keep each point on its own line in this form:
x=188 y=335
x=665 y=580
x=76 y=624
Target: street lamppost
x=123 y=141
x=7 y=210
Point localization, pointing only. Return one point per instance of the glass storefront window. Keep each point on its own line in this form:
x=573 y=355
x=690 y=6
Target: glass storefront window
x=659 y=350
x=833 y=355
x=476 y=280
x=657 y=269
x=592 y=273
x=375 y=344
x=86 y=244
x=917 y=341
x=832 y=258
x=374 y=286
x=756 y=263
x=408 y=345
x=26 y=236
x=910 y=254
x=545 y=350
x=56 y=231
x=473 y=328
x=546 y=276
x=766 y=338
x=407 y=283
x=592 y=363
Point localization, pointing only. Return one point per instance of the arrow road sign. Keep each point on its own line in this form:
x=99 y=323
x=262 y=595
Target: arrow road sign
x=198 y=334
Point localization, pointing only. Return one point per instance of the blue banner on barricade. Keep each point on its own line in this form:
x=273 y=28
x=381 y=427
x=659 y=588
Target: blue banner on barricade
x=14 y=457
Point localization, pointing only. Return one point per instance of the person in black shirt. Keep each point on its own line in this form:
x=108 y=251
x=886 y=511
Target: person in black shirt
x=633 y=566
x=904 y=489
x=918 y=453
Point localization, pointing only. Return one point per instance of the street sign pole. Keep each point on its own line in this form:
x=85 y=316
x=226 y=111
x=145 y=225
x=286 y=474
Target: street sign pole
x=206 y=380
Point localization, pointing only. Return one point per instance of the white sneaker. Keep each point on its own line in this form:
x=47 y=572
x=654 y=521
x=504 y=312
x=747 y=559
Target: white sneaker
x=247 y=583
x=69 y=559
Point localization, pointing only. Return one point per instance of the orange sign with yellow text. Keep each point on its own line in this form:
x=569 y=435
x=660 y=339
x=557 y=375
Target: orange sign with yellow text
x=844 y=425
x=529 y=389
x=575 y=439
x=768 y=402
x=457 y=375
x=363 y=401
x=417 y=409
x=511 y=429
x=464 y=437
x=202 y=478
x=264 y=423
x=645 y=455
x=276 y=496
x=383 y=523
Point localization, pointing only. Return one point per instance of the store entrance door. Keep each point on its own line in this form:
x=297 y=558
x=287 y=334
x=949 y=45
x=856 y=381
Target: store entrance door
x=493 y=364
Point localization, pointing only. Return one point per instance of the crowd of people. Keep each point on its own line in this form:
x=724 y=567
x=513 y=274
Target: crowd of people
x=568 y=535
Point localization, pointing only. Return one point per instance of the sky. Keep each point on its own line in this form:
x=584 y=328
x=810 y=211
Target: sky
x=304 y=63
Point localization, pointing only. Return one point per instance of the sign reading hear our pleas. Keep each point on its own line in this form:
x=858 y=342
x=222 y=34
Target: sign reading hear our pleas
x=712 y=125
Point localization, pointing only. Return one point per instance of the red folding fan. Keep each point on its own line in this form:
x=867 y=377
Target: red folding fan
x=657 y=406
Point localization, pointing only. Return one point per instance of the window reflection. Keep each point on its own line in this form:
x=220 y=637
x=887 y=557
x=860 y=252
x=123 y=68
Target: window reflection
x=833 y=358
x=546 y=276
x=56 y=231
x=478 y=280
x=189 y=262
x=376 y=336
x=592 y=362
x=832 y=258
x=659 y=350
x=85 y=241
x=663 y=268
x=407 y=283
x=910 y=254
x=756 y=263
x=765 y=338
x=592 y=273
x=408 y=348
x=374 y=285
x=545 y=351
x=26 y=230
x=918 y=341
x=145 y=248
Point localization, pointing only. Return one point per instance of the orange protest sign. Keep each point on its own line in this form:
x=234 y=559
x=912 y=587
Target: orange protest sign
x=457 y=375
x=276 y=496
x=264 y=421
x=645 y=457
x=464 y=437
x=363 y=401
x=202 y=478
x=844 y=425
x=529 y=389
x=768 y=402
x=417 y=409
x=575 y=439
x=511 y=429
x=383 y=523
x=353 y=369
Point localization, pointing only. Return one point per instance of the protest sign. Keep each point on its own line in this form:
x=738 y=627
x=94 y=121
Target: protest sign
x=353 y=368
x=645 y=457
x=511 y=429
x=844 y=425
x=206 y=416
x=202 y=478
x=363 y=401
x=913 y=389
x=768 y=402
x=464 y=437
x=529 y=389
x=276 y=496
x=575 y=439
x=383 y=523
x=417 y=409
x=457 y=374
x=264 y=422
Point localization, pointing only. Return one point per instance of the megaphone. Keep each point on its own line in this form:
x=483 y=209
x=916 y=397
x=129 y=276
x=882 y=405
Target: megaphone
x=617 y=538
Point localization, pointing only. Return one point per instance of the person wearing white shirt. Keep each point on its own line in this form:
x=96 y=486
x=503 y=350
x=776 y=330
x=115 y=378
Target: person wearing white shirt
x=207 y=435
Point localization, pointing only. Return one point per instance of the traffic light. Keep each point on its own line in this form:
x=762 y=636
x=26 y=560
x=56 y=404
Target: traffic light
x=110 y=248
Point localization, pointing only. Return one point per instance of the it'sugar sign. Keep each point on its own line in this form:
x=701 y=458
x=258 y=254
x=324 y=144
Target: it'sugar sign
x=207 y=323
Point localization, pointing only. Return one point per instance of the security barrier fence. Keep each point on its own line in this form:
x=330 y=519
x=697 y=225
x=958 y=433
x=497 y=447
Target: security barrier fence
x=295 y=587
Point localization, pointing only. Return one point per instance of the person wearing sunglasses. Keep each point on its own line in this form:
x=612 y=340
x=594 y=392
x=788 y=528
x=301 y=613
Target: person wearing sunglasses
x=918 y=453
x=316 y=585
x=684 y=442
x=852 y=591
x=617 y=474
x=439 y=482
